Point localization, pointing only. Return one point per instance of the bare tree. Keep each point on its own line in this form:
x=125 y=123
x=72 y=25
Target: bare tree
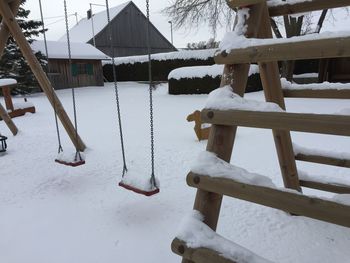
x=193 y=13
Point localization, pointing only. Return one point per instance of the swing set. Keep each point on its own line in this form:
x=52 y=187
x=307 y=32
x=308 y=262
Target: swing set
x=9 y=25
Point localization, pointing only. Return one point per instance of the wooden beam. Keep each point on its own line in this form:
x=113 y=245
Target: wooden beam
x=4 y=30
x=302 y=122
x=319 y=94
x=270 y=79
x=323 y=160
x=242 y=3
x=200 y=255
x=306 y=49
x=7 y=119
x=39 y=73
x=333 y=188
x=294 y=203
x=306 y=6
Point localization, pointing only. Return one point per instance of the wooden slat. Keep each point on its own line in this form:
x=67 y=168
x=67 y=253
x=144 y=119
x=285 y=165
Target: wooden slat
x=200 y=255
x=334 y=188
x=317 y=94
x=302 y=122
x=7 y=119
x=306 y=6
x=323 y=160
x=294 y=203
x=270 y=79
x=307 y=49
x=242 y=3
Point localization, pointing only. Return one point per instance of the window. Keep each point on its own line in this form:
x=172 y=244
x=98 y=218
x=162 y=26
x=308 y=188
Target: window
x=82 y=69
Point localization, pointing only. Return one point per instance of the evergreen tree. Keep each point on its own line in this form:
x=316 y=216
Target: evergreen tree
x=12 y=63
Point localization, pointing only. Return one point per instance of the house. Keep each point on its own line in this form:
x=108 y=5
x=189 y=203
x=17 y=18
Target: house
x=129 y=26
x=86 y=64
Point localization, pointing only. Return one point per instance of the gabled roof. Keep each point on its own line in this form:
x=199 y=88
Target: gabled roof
x=59 y=50
x=82 y=32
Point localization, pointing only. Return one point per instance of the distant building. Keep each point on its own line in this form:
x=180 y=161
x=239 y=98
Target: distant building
x=129 y=27
x=86 y=67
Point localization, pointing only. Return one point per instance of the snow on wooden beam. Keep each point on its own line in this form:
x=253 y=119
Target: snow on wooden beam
x=306 y=49
x=334 y=188
x=286 y=200
x=242 y=3
x=317 y=94
x=306 y=6
x=204 y=255
x=302 y=122
x=313 y=158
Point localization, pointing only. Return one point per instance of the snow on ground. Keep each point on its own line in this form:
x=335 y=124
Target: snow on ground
x=57 y=214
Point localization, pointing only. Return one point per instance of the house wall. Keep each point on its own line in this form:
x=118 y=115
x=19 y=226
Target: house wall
x=61 y=77
x=129 y=35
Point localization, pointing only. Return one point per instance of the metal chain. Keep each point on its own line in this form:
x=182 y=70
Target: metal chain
x=153 y=179
x=125 y=169
x=77 y=153
x=60 y=149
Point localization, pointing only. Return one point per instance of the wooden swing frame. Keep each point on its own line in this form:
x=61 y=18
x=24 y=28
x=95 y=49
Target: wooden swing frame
x=9 y=25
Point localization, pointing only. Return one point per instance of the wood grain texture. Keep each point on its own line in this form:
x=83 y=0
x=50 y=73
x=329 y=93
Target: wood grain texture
x=307 y=49
x=291 y=202
x=302 y=122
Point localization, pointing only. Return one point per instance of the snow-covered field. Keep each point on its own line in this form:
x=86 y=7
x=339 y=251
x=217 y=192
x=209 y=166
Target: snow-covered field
x=55 y=214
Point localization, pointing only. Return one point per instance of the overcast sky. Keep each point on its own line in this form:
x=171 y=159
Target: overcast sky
x=340 y=18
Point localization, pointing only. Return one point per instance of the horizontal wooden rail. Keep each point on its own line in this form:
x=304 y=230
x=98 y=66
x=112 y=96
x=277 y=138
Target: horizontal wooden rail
x=294 y=203
x=317 y=94
x=242 y=3
x=334 y=188
x=202 y=255
x=305 y=49
x=302 y=122
x=306 y=6
x=322 y=160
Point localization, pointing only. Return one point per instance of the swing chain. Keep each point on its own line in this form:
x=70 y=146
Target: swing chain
x=60 y=149
x=116 y=90
x=153 y=180
x=73 y=92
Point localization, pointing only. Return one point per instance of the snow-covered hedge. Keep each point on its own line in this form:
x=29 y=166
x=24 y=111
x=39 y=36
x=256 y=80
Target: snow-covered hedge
x=204 y=79
x=136 y=68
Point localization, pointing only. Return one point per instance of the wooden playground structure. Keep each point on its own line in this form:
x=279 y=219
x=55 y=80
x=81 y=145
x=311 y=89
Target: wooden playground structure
x=14 y=110
x=202 y=133
x=9 y=25
x=210 y=190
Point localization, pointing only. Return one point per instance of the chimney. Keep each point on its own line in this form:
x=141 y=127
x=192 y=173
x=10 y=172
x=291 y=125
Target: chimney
x=89 y=14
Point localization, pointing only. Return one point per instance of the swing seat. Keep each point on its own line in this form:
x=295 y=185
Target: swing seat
x=69 y=160
x=139 y=190
x=73 y=163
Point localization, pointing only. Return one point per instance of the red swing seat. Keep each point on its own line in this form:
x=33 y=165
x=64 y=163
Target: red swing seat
x=138 y=190
x=72 y=164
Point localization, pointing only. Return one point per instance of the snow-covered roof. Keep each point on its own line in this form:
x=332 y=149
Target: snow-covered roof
x=82 y=32
x=59 y=50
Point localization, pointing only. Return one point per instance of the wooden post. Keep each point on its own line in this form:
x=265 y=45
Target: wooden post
x=270 y=78
x=4 y=30
x=7 y=119
x=39 y=73
x=221 y=138
x=6 y=92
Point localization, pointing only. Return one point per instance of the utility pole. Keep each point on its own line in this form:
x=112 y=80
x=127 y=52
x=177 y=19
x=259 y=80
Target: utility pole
x=171 y=31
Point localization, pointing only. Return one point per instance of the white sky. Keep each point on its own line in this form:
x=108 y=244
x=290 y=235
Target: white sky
x=340 y=19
